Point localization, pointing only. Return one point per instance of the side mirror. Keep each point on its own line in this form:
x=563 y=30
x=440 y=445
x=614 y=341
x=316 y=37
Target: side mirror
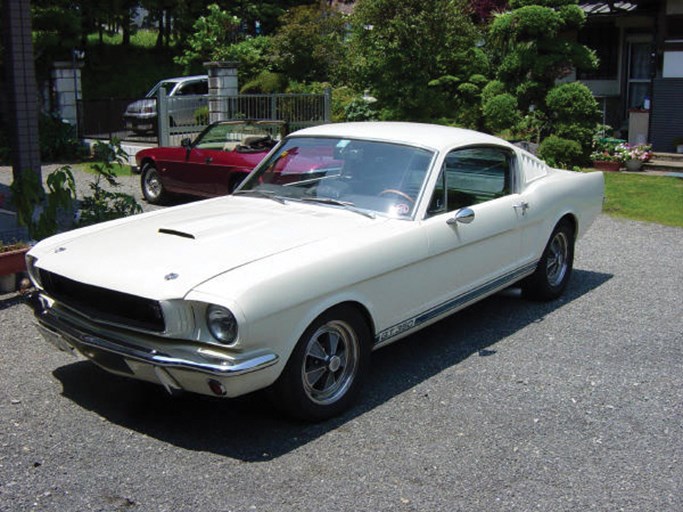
x=462 y=216
x=186 y=143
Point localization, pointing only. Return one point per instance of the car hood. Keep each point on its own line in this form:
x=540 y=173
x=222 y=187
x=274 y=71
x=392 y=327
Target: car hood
x=165 y=254
x=139 y=106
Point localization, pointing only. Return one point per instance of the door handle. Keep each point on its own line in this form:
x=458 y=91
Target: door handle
x=208 y=160
x=523 y=205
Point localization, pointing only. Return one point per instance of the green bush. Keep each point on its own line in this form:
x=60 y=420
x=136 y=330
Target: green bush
x=501 y=113
x=559 y=152
x=266 y=82
x=573 y=113
x=58 y=139
x=492 y=89
x=201 y=115
x=360 y=109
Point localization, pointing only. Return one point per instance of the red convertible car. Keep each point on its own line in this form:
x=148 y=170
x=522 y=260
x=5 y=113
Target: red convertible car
x=214 y=164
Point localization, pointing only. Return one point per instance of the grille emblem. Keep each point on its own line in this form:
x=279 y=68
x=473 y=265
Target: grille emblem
x=171 y=276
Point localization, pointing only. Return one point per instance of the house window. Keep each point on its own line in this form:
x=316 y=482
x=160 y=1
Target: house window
x=639 y=72
x=604 y=39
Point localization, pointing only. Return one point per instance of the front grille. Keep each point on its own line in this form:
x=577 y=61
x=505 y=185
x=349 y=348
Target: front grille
x=104 y=305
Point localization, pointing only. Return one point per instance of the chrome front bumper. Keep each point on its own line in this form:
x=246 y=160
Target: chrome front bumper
x=178 y=366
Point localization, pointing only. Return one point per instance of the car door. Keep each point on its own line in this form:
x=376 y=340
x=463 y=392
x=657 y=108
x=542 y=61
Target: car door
x=204 y=164
x=474 y=226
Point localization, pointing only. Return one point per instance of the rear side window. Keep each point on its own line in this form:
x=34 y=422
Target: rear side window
x=471 y=176
x=200 y=87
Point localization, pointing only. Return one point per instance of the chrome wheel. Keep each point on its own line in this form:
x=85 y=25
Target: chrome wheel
x=330 y=362
x=327 y=367
x=555 y=266
x=152 y=188
x=558 y=257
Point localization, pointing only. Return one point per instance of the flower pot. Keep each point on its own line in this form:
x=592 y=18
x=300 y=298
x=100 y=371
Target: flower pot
x=603 y=165
x=12 y=262
x=633 y=165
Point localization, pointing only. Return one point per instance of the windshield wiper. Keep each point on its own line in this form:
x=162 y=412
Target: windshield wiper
x=260 y=193
x=336 y=202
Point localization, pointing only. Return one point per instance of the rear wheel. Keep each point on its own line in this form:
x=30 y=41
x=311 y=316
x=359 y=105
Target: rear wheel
x=152 y=188
x=326 y=370
x=552 y=274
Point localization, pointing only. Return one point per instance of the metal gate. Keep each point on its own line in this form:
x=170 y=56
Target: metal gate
x=179 y=117
x=297 y=110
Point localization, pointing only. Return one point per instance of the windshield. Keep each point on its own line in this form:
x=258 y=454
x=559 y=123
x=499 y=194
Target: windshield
x=166 y=84
x=377 y=177
x=241 y=136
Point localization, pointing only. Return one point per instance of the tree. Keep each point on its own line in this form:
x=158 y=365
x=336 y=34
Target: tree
x=398 y=48
x=309 y=44
x=212 y=34
x=531 y=47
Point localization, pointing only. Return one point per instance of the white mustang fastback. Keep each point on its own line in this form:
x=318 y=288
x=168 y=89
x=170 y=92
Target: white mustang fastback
x=345 y=238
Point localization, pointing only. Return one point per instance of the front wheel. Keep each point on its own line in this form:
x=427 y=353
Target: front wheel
x=327 y=367
x=552 y=273
x=152 y=188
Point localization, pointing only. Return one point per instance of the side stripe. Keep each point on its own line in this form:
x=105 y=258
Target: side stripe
x=455 y=303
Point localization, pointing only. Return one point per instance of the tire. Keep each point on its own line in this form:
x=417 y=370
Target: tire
x=150 y=182
x=327 y=367
x=554 y=269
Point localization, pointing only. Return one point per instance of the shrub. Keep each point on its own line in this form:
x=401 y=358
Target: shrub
x=58 y=139
x=359 y=109
x=573 y=113
x=559 y=152
x=266 y=82
x=501 y=113
x=103 y=204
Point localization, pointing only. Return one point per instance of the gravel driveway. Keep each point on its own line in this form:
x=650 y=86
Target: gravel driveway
x=509 y=405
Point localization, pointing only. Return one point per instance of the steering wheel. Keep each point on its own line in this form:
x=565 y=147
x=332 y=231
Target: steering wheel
x=398 y=193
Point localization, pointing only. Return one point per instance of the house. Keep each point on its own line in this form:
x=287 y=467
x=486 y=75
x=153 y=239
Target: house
x=639 y=83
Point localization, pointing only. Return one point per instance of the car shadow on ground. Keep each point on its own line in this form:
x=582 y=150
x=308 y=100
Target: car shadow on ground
x=250 y=429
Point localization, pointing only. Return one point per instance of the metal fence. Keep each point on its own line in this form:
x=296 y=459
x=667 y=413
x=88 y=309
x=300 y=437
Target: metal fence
x=182 y=117
x=102 y=118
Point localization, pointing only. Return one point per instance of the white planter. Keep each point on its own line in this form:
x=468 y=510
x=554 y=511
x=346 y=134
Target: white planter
x=633 y=165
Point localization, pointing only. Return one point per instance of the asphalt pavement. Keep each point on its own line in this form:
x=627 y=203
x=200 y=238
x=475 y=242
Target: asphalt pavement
x=510 y=405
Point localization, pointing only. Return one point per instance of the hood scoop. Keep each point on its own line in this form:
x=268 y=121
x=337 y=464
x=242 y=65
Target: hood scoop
x=175 y=232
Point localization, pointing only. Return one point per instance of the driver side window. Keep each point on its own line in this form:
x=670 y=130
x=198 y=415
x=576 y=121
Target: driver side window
x=471 y=176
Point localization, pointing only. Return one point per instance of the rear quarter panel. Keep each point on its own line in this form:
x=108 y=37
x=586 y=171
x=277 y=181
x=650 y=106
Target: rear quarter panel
x=556 y=195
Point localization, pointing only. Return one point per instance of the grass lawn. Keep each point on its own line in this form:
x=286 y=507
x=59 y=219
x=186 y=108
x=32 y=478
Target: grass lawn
x=646 y=198
x=119 y=170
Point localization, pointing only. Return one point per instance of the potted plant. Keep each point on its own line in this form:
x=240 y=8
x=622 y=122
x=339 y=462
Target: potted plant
x=604 y=155
x=12 y=257
x=634 y=155
x=605 y=161
x=12 y=261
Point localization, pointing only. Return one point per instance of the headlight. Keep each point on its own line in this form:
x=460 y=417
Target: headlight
x=222 y=324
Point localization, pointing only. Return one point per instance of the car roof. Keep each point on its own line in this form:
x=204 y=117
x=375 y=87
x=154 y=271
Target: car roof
x=184 y=78
x=437 y=137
